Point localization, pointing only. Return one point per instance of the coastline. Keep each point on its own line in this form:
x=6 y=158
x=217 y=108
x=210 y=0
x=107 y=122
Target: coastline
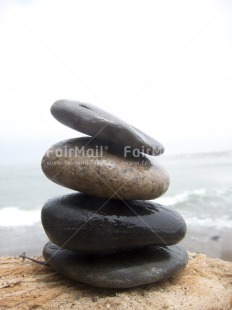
x=212 y=242
x=31 y=239
x=205 y=283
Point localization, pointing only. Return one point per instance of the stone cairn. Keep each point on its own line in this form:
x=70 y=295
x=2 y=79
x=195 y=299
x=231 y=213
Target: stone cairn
x=109 y=233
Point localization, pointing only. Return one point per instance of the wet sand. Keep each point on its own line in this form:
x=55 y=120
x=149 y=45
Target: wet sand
x=213 y=243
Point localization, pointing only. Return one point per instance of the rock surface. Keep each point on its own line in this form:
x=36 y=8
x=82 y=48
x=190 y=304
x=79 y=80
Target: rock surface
x=80 y=222
x=84 y=165
x=100 y=124
x=121 y=270
x=205 y=284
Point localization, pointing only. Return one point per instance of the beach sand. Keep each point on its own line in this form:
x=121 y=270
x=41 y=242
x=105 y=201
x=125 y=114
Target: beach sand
x=212 y=242
x=204 y=284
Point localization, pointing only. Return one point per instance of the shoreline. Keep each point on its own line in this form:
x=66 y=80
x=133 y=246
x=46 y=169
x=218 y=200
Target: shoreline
x=212 y=242
x=31 y=239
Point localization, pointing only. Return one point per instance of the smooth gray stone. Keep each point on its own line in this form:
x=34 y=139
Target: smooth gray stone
x=84 y=223
x=121 y=270
x=85 y=165
x=101 y=125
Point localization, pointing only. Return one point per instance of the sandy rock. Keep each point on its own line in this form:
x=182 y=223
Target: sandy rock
x=205 y=284
x=87 y=166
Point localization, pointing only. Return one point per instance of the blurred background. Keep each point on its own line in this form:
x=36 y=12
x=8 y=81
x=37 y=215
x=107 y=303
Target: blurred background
x=165 y=67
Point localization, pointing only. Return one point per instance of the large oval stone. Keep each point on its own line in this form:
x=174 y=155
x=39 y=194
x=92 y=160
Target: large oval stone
x=84 y=223
x=119 y=270
x=85 y=165
x=100 y=124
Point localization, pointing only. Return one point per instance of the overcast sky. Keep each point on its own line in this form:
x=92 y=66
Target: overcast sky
x=163 y=66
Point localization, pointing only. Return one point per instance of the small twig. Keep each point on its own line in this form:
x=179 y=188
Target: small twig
x=9 y=284
x=23 y=256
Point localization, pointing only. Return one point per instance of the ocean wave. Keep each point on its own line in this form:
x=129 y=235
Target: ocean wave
x=220 y=223
x=209 y=208
x=199 y=207
x=15 y=217
x=199 y=195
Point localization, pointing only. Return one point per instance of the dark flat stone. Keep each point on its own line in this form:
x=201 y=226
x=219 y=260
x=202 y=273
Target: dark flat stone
x=100 y=124
x=89 y=224
x=121 y=270
x=85 y=165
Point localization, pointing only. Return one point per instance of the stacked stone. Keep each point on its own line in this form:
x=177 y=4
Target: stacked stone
x=109 y=234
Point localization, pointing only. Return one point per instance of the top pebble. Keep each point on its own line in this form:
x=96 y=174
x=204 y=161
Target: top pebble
x=101 y=125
